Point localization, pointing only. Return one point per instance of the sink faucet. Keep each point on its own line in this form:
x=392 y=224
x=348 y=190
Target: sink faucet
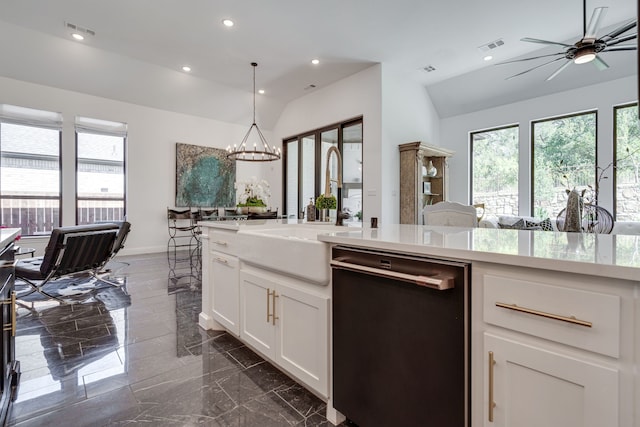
x=327 y=183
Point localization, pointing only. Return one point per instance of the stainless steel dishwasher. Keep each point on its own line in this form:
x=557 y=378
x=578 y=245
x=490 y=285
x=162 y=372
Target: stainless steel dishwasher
x=401 y=337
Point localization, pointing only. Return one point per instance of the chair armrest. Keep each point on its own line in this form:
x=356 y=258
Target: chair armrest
x=488 y=223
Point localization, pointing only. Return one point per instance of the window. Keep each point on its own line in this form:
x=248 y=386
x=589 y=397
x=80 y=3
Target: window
x=627 y=161
x=100 y=170
x=564 y=157
x=30 y=177
x=305 y=168
x=494 y=170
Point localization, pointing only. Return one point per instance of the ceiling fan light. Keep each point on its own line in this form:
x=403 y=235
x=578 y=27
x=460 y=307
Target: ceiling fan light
x=585 y=54
x=584 y=58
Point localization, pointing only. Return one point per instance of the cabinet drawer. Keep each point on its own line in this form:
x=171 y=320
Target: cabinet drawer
x=223 y=241
x=579 y=318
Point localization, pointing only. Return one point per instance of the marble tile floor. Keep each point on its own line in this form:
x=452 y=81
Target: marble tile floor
x=136 y=356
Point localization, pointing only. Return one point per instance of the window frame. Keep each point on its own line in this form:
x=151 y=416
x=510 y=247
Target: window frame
x=59 y=198
x=316 y=133
x=493 y=129
x=532 y=150
x=614 y=208
x=124 y=174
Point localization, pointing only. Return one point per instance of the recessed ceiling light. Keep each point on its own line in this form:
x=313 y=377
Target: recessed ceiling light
x=78 y=32
x=315 y=61
x=227 y=22
x=488 y=58
x=186 y=68
x=261 y=91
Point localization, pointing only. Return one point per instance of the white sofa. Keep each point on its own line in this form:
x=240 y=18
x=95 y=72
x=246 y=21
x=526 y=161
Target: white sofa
x=508 y=221
x=619 y=227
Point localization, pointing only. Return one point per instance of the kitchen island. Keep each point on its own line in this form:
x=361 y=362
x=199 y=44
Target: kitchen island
x=10 y=366
x=555 y=317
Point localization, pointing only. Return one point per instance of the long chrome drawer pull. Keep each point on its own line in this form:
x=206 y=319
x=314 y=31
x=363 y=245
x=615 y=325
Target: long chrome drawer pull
x=492 y=404
x=440 y=283
x=268 y=308
x=568 y=319
x=274 y=317
x=220 y=242
x=221 y=260
x=11 y=326
x=14 y=314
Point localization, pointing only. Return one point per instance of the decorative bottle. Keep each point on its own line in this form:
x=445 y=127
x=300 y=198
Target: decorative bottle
x=431 y=169
x=311 y=211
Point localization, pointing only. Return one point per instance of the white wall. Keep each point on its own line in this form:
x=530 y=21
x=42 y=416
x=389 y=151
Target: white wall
x=603 y=97
x=356 y=95
x=395 y=109
x=408 y=115
x=150 y=158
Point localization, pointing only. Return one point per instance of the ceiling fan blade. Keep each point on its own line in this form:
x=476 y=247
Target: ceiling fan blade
x=534 y=68
x=600 y=64
x=622 y=39
x=621 y=29
x=559 y=70
x=620 y=47
x=530 y=40
x=594 y=24
x=529 y=59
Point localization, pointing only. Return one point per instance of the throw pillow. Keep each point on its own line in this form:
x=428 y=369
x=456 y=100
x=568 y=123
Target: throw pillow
x=518 y=225
x=544 y=224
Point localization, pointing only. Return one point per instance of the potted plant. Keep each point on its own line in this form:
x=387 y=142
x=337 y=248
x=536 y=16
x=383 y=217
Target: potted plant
x=324 y=203
x=252 y=195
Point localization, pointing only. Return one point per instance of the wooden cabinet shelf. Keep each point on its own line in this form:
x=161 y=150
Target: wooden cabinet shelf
x=418 y=189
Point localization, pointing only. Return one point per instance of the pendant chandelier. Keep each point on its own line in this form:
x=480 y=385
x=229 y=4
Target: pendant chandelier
x=259 y=152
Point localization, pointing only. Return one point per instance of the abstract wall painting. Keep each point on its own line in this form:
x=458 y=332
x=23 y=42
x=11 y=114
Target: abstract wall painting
x=204 y=177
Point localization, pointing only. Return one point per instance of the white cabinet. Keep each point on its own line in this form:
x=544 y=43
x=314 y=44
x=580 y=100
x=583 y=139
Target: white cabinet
x=256 y=309
x=224 y=276
x=220 y=281
x=287 y=324
x=563 y=347
x=531 y=387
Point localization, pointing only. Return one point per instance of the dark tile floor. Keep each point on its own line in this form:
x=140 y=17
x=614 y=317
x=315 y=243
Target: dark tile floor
x=135 y=355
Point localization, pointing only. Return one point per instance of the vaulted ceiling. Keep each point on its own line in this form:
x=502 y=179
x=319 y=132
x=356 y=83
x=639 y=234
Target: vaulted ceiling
x=139 y=48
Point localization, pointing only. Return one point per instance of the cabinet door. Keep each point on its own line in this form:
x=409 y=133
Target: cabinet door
x=302 y=336
x=224 y=279
x=255 y=303
x=535 y=387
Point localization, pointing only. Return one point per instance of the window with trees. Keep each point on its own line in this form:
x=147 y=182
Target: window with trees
x=304 y=168
x=494 y=170
x=100 y=170
x=627 y=163
x=563 y=157
x=30 y=172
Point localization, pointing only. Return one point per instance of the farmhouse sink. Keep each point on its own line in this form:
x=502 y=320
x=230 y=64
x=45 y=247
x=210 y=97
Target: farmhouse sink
x=290 y=249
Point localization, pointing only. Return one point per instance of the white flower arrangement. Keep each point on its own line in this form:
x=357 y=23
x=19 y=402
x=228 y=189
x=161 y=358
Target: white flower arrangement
x=253 y=192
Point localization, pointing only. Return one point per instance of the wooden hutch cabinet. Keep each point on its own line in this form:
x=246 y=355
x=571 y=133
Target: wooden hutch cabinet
x=420 y=183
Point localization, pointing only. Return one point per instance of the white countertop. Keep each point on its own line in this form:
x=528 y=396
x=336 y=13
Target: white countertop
x=604 y=255
x=269 y=223
x=7 y=235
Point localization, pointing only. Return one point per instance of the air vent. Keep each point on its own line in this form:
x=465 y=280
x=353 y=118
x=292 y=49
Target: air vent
x=491 y=45
x=429 y=68
x=78 y=29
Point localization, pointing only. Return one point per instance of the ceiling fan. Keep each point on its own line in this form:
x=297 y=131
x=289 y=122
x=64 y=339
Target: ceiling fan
x=588 y=47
